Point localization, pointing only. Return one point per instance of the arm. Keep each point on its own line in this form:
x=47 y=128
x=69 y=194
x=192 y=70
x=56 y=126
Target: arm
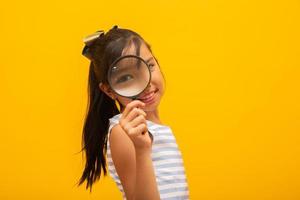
x=123 y=156
x=146 y=187
x=134 y=167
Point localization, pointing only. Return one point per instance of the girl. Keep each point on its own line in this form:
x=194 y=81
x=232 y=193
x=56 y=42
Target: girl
x=142 y=154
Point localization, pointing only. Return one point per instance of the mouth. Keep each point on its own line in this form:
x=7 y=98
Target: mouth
x=149 y=97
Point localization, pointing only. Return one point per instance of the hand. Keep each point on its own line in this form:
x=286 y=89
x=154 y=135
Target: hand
x=133 y=122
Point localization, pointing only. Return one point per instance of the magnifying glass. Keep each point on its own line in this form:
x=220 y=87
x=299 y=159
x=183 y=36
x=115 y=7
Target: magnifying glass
x=129 y=76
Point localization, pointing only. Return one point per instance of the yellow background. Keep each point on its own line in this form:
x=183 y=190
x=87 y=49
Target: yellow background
x=232 y=70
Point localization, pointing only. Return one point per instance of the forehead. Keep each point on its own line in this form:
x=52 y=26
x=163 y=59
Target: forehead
x=132 y=50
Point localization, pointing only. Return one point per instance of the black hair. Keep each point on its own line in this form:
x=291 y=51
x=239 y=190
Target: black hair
x=106 y=48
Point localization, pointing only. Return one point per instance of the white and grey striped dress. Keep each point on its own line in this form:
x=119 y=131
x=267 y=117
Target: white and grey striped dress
x=167 y=161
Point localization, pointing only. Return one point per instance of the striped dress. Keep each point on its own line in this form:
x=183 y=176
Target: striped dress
x=167 y=161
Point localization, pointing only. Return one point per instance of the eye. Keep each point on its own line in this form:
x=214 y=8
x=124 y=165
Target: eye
x=151 y=66
x=124 y=78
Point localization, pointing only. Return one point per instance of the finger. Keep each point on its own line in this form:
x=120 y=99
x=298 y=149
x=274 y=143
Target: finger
x=127 y=125
x=143 y=112
x=142 y=128
x=134 y=113
x=138 y=120
x=136 y=131
x=131 y=105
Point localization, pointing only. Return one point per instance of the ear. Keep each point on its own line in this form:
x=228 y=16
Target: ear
x=107 y=90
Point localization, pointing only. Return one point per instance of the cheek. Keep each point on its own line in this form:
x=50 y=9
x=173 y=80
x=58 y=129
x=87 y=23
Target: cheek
x=159 y=82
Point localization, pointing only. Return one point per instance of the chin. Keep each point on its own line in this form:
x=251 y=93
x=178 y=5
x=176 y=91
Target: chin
x=152 y=107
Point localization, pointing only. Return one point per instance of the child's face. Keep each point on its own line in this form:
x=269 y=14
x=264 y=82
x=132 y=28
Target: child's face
x=155 y=87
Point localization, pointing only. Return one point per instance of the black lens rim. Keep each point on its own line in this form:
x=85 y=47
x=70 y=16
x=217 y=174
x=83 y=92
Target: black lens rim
x=118 y=59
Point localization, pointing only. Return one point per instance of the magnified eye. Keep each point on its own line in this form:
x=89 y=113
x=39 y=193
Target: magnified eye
x=124 y=78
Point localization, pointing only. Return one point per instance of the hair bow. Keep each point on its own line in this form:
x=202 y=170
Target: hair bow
x=89 y=40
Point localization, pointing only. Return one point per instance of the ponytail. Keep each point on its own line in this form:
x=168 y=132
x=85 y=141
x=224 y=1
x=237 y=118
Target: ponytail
x=94 y=136
x=101 y=49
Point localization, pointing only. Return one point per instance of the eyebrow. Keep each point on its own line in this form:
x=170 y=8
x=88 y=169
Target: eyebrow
x=149 y=59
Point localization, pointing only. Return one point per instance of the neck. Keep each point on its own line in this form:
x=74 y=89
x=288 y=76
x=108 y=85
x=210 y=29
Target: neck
x=153 y=116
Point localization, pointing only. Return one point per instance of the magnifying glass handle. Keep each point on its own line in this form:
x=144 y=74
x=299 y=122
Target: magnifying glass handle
x=134 y=98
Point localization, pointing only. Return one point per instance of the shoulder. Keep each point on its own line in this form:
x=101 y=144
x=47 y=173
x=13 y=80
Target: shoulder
x=119 y=141
x=114 y=121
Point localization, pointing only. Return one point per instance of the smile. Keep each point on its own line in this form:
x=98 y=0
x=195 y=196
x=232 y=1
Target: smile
x=149 y=98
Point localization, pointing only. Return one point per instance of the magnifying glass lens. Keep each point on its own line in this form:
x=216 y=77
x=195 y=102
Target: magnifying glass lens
x=129 y=76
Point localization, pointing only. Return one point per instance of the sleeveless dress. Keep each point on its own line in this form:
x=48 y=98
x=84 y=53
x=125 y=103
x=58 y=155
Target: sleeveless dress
x=167 y=162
